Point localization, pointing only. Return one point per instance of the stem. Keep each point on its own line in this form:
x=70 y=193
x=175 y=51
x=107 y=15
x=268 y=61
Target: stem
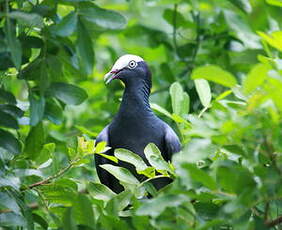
x=202 y=111
x=145 y=181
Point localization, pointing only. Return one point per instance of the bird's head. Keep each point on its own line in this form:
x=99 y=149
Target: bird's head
x=129 y=69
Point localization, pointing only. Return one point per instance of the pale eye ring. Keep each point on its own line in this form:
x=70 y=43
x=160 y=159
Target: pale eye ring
x=132 y=64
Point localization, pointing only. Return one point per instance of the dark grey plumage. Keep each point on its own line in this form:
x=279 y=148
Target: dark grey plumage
x=135 y=126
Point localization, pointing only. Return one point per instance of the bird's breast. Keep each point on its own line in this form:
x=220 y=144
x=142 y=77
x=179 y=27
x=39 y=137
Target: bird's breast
x=135 y=134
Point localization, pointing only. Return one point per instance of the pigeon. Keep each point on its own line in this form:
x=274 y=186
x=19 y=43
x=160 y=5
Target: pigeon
x=135 y=125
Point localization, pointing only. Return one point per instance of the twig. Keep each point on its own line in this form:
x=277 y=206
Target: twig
x=266 y=209
x=272 y=223
x=50 y=178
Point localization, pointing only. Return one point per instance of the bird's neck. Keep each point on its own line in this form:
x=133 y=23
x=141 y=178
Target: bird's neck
x=135 y=100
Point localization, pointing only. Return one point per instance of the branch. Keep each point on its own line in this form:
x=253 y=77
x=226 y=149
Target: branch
x=174 y=28
x=272 y=223
x=31 y=206
x=50 y=178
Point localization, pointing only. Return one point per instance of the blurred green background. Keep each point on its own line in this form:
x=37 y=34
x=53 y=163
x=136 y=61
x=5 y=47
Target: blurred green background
x=217 y=79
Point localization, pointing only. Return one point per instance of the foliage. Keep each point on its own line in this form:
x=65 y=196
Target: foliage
x=217 y=77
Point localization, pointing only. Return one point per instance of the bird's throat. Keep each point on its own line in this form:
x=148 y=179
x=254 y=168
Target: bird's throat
x=135 y=100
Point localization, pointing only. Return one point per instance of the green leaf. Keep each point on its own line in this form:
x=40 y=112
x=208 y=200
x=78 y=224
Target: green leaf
x=69 y=220
x=6 y=120
x=180 y=101
x=45 y=153
x=6 y=96
x=59 y=193
x=275 y=2
x=215 y=74
x=40 y=220
x=12 y=110
x=186 y=103
x=54 y=112
x=154 y=207
x=274 y=39
x=83 y=212
x=9 y=202
x=109 y=157
x=101 y=147
x=122 y=174
x=197 y=149
x=100 y=191
x=242 y=30
x=66 y=26
x=255 y=77
x=12 y=219
x=85 y=147
x=9 y=142
x=67 y=93
x=84 y=49
x=118 y=203
x=199 y=175
x=204 y=91
x=169 y=16
x=132 y=158
x=160 y=109
x=232 y=177
x=35 y=141
x=37 y=107
x=155 y=158
x=101 y=18
x=13 y=44
x=244 y=5
x=27 y=19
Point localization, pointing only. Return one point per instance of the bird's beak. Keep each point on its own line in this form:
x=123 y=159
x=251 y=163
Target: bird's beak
x=111 y=75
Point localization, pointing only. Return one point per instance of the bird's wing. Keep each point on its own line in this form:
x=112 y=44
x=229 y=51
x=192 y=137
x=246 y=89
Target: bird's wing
x=104 y=135
x=172 y=142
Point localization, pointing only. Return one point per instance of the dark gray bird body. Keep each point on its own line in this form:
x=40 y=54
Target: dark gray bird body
x=135 y=126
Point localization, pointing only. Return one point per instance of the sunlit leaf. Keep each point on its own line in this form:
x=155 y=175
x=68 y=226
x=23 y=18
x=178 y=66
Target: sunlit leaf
x=122 y=174
x=275 y=2
x=255 y=77
x=100 y=191
x=132 y=158
x=274 y=39
x=155 y=158
x=204 y=91
x=215 y=74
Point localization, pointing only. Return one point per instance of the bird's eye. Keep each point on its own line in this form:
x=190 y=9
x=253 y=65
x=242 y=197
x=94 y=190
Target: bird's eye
x=132 y=64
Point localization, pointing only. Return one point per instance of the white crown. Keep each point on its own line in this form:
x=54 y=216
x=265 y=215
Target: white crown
x=124 y=60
